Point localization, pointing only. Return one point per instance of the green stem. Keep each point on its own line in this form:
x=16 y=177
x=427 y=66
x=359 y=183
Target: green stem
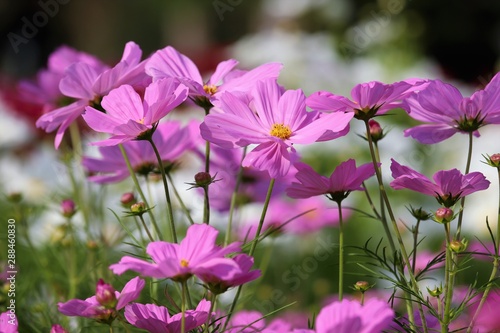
x=206 y=206
x=139 y=190
x=252 y=248
x=233 y=198
x=213 y=299
x=404 y=253
x=146 y=228
x=415 y=245
x=448 y=287
x=181 y=202
x=341 y=252
x=462 y=202
x=170 y=213
x=183 y=307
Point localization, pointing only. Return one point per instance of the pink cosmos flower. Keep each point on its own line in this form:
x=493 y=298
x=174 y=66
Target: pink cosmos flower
x=168 y=62
x=128 y=117
x=196 y=254
x=448 y=186
x=156 y=319
x=345 y=178
x=487 y=320
x=368 y=99
x=350 y=316
x=278 y=121
x=447 y=112
x=44 y=91
x=56 y=328
x=87 y=84
x=254 y=321
x=105 y=303
x=170 y=138
x=8 y=322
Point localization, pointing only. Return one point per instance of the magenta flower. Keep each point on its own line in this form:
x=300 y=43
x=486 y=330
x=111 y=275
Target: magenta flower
x=87 y=84
x=156 y=319
x=170 y=138
x=103 y=305
x=350 y=316
x=278 y=121
x=487 y=320
x=196 y=254
x=448 y=186
x=345 y=178
x=168 y=62
x=56 y=328
x=447 y=112
x=368 y=99
x=128 y=117
x=8 y=322
x=245 y=275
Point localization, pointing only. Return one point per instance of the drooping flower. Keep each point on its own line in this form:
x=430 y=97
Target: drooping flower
x=103 y=306
x=448 y=186
x=345 y=178
x=170 y=138
x=8 y=322
x=197 y=254
x=88 y=84
x=368 y=99
x=128 y=117
x=350 y=316
x=168 y=62
x=156 y=319
x=278 y=121
x=446 y=112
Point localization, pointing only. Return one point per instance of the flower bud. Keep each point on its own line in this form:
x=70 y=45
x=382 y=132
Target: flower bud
x=128 y=199
x=15 y=197
x=420 y=214
x=105 y=294
x=376 y=132
x=68 y=208
x=435 y=292
x=443 y=215
x=493 y=160
x=362 y=286
x=459 y=246
x=92 y=244
x=203 y=179
x=138 y=208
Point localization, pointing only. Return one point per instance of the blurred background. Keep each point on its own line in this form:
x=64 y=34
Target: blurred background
x=324 y=45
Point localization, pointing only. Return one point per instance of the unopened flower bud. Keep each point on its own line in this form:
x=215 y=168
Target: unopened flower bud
x=128 y=199
x=435 y=292
x=493 y=160
x=376 y=132
x=138 y=207
x=202 y=179
x=92 y=244
x=14 y=197
x=68 y=208
x=105 y=294
x=420 y=214
x=443 y=215
x=459 y=246
x=362 y=286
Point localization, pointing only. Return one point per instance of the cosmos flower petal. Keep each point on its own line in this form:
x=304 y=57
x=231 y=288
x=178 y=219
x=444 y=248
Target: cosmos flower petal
x=223 y=68
x=270 y=156
x=430 y=133
x=130 y=292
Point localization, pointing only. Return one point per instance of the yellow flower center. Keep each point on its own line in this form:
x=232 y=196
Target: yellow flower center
x=210 y=89
x=141 y=121
x=281 y=131
x=184 y=263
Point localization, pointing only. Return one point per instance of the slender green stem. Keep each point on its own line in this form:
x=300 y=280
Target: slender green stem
x=183 y=307
x=181 y=202
x=362 y=300
x=462 y=202
x=448 y=287
x=370 y=202
x=341 y=252
x=213 y=299
x=404 y=253
x=139 y=190
x=252 y=248
x=494 y=270
x=415 y=245
x=206 y=206
x=110 y=329
x=233 y=198
x=170 y=213
x=146 y=228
